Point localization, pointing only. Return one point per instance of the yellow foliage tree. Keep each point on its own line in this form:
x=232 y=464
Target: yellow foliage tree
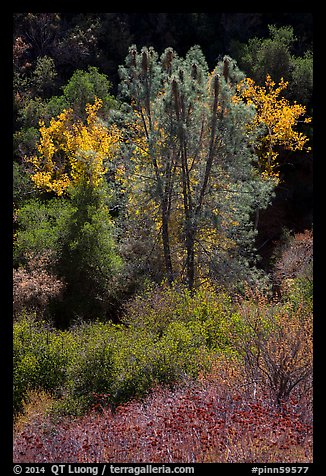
x=71 y=151
x=279 y=118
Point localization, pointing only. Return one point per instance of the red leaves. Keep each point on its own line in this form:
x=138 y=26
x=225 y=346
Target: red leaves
x=195 y=423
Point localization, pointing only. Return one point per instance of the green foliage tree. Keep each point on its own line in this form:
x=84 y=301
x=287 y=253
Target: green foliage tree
x=275 y=56
x=77 y=235
x=192 y=161
x=84 y=86
x=88 y=262
x=22 y=186
x=44 y=76
x=40 y=228
x=301 y=86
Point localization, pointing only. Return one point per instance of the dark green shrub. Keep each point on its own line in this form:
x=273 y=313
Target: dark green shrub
x=90 y=368
x=88 y=260
x=79 y=235
x=84 y=86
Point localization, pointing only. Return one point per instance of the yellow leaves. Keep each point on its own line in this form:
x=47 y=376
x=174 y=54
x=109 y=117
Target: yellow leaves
x=92 y=110
x=277 y=115
x=44 y=180
x=120 y=176
x=70 y=152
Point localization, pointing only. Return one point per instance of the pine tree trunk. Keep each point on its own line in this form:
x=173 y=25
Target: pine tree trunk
x=190 y=259
x=166 y=246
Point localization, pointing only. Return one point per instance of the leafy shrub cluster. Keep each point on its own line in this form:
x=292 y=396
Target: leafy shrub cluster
x=168 y=335
x=68 y=242
x=177 y=338
x=40 y=357
x=204 y=312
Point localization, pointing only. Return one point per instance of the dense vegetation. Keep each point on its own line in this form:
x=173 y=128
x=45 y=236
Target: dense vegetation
x=162 y=237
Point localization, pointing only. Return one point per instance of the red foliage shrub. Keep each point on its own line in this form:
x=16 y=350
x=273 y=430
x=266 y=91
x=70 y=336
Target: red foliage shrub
x=295 y=257
x=276 y=342
x=205 y=421
x=35 y=286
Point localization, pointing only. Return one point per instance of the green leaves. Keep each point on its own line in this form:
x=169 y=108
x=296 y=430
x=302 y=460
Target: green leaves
x=89 y=260
x=193 y=153
x=124 y=361
x=78 y=237
x=84 y=86
x=41 y=227
x=40 y=357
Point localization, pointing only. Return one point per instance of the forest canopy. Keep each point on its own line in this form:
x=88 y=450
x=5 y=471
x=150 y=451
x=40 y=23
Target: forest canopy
x=190 y=157
x=162 y=236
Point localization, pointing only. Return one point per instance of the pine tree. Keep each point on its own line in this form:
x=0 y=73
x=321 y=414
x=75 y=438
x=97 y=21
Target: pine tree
x=192 y=160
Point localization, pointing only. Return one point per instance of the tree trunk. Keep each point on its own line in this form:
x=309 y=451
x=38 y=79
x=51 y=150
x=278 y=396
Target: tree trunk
x=190 y=258
x=166 y=245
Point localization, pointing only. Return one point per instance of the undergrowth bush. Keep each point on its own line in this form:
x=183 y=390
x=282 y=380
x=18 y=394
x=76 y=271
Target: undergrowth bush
x=35 y=286
x=124 y=363
x=209 y=315
x=276 y=344
x=167 y=335
x=40 y=357
x=294 y=257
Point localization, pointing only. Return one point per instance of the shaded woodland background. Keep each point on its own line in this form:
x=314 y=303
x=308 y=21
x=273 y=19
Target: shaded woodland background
x=78 y=40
